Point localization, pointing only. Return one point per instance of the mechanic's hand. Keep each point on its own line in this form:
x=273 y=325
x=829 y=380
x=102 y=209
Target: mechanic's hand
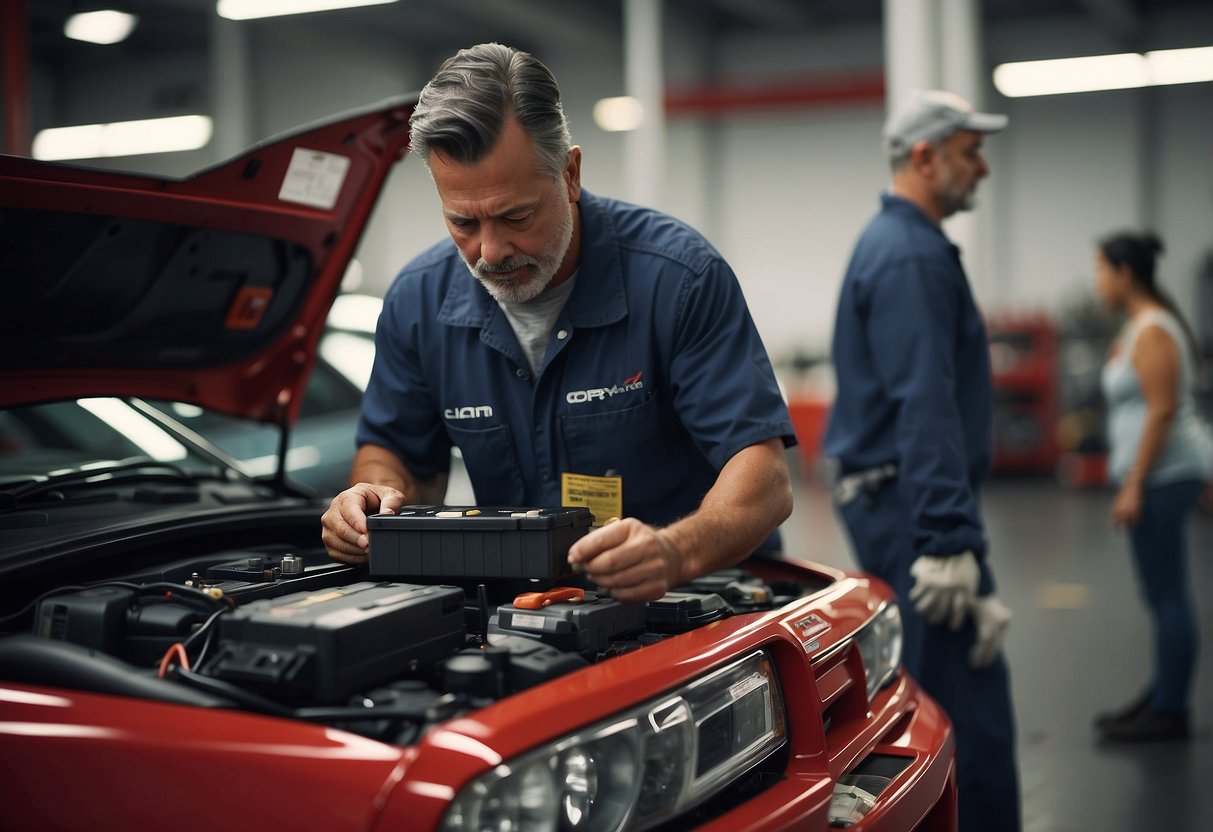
x=634 y=561
x=345 y=535
x=992 y=619
x=944 y=587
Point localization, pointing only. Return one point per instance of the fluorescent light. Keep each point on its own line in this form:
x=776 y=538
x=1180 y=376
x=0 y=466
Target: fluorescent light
x=249 y=9
x=1180 y=66
x=103 y=27
x=1098 y=72
x=618 y=114
x=123 y=138
x=1104 y=72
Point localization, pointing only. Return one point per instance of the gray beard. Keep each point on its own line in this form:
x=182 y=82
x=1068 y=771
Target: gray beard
x=545 y=266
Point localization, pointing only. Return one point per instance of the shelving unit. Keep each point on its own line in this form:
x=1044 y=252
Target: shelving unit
x=1024 y=361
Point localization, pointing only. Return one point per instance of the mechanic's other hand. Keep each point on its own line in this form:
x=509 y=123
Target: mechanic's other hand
x=344 y=531
x=992 y=618
x=636 y=562
x=944 y=587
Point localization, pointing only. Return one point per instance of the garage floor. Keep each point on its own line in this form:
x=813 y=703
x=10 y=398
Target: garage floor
x=1079 y=644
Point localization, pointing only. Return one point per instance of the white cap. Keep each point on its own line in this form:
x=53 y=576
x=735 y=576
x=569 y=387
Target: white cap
x=930 y=115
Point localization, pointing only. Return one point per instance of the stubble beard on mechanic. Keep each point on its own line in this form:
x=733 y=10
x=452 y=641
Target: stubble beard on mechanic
x=541 y=269
x=951 y=195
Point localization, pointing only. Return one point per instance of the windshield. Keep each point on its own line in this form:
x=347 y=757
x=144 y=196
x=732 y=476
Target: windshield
x=41 y=440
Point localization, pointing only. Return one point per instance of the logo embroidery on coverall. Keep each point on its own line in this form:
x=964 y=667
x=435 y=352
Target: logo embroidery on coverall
x=635 y=382
x=468 y=412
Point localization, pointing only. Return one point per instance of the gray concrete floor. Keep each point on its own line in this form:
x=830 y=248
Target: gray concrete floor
x=1079 y=644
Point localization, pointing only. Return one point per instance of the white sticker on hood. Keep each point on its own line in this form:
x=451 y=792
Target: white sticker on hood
x=314 y=178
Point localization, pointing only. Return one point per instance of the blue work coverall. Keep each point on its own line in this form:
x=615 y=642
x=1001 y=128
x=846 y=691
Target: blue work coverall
x=654 y=372
x=914 y=390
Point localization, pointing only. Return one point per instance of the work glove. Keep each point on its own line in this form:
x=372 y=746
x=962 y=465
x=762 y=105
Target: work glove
x=945 y=588
x=992 y=619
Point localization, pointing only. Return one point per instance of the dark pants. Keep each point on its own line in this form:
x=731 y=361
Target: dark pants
x=1160 y=554
x=977 y=701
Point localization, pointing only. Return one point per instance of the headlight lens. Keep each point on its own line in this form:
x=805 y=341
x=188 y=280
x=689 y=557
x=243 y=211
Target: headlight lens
x=880 y=646
x=644 y=766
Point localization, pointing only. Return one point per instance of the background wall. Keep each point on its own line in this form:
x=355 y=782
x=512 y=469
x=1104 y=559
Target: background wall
x=781 y=191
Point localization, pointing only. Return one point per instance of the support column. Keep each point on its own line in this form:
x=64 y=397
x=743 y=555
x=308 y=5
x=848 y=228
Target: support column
x=911 y=47
x=962 y=72
x=644 y=80
x=937 y=44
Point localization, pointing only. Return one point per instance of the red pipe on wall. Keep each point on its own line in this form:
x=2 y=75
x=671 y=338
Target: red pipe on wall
x=17 y=127
x=718 y=100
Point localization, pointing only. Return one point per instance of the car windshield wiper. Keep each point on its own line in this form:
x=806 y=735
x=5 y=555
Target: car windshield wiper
x=116 y=471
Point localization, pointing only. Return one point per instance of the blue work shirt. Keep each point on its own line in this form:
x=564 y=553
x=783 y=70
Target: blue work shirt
x=912 y=361
x=654 y=372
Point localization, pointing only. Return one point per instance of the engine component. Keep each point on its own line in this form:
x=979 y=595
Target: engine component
x=585 y=626
x=678 y=612
x=327 y=645
x=120 y=620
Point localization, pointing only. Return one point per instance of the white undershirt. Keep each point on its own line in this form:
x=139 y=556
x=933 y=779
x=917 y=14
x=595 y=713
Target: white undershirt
x=532 y=321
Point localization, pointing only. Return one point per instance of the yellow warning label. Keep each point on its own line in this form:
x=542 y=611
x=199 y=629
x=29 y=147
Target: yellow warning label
x=603 y=496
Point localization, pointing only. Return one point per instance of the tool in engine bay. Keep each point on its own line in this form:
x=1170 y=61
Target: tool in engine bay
x=535 y=600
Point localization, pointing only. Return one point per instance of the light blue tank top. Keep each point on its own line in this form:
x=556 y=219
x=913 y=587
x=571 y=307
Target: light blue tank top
x=1188 y=452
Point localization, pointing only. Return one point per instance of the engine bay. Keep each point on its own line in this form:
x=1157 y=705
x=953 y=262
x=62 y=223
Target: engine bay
x=293 y=634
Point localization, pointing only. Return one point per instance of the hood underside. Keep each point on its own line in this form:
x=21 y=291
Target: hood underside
x=211 y=289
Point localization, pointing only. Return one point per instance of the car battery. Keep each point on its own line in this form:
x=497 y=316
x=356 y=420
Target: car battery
x=677 y=612
x=584 y=626
x=329 y=644
x=458 y=542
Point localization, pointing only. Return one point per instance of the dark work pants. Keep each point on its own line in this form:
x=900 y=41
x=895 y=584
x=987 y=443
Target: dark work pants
x=1160 y=554
x=977 y=701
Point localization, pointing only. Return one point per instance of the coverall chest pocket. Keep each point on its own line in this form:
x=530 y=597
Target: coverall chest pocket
x=492 y=464
x=627 y=442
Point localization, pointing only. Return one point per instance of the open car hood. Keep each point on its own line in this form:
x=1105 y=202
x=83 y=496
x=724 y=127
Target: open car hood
x=211 y=290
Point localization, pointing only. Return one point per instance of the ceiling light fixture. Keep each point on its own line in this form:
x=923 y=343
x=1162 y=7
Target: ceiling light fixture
x=618 y=114
x=1105 y=72
x=104 y=27
x=250 y=9
x=123 y=138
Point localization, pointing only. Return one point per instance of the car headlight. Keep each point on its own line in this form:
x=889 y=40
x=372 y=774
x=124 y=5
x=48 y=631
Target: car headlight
x=640 y=767
x=880 y=646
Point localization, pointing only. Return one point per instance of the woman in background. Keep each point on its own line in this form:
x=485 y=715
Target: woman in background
x=1160 y=456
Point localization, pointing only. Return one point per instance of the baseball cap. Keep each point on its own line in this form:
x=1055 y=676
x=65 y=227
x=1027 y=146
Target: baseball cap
x=929 y=115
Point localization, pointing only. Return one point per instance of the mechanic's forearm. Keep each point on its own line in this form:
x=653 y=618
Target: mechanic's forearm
x=751 y=497
x=378 y=465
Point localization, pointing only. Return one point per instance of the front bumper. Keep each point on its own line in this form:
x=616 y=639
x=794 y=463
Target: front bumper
x=918 y=744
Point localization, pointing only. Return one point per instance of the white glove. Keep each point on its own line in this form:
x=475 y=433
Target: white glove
x=944 y=587
x=992 y=618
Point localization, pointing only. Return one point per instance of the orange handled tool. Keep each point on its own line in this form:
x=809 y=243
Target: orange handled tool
x=535 y=600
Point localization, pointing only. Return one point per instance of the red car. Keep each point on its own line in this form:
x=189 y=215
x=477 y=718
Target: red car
x=177 y=651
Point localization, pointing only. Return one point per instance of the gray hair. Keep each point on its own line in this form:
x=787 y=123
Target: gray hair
x=464 y=108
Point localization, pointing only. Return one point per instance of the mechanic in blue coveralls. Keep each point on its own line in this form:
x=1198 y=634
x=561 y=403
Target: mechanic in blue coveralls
x=910 y=431
x=597 y=354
